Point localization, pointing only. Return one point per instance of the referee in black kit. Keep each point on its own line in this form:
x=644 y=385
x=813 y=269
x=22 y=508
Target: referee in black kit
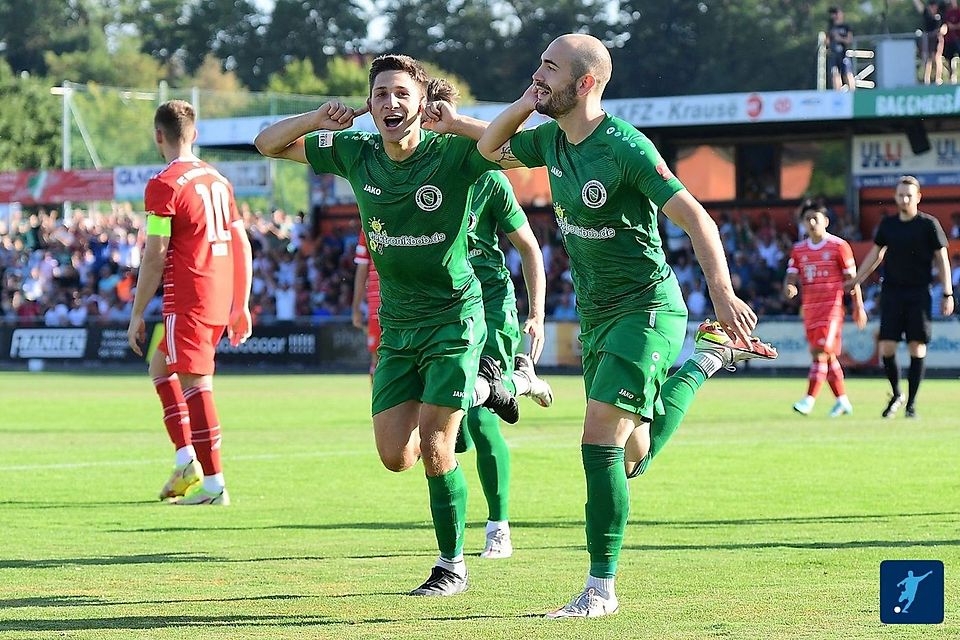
x=908 y=243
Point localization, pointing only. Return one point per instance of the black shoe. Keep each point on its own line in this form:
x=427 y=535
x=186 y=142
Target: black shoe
x=501 y=401
x=910 y=411
x=893 y=405
x=442 y=582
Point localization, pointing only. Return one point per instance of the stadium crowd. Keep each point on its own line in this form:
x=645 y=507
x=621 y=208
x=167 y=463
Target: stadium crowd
x=58 y=273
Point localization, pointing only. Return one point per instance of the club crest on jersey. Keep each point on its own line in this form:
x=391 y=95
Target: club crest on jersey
x=594 y=194
x=472 y=222
x=428 y=197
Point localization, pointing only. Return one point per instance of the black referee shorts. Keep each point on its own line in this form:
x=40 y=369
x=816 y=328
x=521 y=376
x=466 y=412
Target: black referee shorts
x=905 y=312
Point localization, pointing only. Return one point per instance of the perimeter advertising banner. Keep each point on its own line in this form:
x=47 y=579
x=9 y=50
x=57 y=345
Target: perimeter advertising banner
x=54 y=187
x=879 y=160
x=926 y=100
x=249 y=178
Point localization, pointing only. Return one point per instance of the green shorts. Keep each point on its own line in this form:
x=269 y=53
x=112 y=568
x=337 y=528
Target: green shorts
x=435 y=365
x=503 y=337
x=626 y=360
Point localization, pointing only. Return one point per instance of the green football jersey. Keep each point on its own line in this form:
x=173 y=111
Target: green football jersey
x=494 y=206
x=414 y=214
x=606 y=193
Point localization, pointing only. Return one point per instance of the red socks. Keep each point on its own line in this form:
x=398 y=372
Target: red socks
x=818 y=373
x=175 y=415
x=835 y=378
x=205 y=428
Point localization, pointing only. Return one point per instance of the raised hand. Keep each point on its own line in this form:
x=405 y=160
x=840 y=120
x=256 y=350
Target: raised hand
x=439 y=117
x=336 y=116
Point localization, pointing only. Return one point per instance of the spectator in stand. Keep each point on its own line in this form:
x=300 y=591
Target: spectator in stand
x=951 y=39
x=955 y=226
x=839 y=39
x=931 y=42
x=696 y=299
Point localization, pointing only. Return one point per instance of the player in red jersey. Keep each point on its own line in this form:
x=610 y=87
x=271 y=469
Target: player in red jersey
x=820 y=264
x=197 y=246
x=367 y=282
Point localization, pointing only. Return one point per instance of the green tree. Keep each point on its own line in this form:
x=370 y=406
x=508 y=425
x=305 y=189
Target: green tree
x=297 y=77
x=124 y=66
x=31 y=28
x=346 y=77
x=29 y=123
x=313 y=30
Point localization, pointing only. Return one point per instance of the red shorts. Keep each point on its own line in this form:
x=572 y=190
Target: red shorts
x=826 y=336
x=189 y=345
x=373 y=333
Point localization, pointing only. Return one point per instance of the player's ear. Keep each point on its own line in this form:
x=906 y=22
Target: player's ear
x=158 y=135
x=194 y=138
x=586 y=84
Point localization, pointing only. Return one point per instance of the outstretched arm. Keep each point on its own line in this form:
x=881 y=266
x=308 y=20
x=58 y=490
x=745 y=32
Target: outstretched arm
x=732 y=312
x=241 y=324
x=946 y=306
x=870 y=262
x=536 y=282
x=148 y=279
x=359 y=290
x=284 y=138
x=442 y=117
x=494 y=145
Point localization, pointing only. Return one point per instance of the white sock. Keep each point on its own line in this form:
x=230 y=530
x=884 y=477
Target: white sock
x=605 y=584
x=522 y=383
x=708 y=362
x=481 y=391
x=214 y=483
x=811 y=399
x=457 y=565
x=844 y=399
x=185 y=455
x=494 y=525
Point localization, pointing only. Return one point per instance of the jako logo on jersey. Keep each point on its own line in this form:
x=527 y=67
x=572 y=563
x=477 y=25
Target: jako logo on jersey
x=429 y=197
x=594 y=194
x=374 y=190
x=556 y=172
x=627 y=394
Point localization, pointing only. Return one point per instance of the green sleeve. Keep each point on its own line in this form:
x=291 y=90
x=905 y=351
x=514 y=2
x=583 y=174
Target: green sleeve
x=473 y=162
x=333 y=151
x=646 y=171
x=526 y=146
x=507 y=211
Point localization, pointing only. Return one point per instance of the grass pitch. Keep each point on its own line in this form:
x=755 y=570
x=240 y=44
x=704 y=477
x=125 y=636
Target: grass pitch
x=754 y=523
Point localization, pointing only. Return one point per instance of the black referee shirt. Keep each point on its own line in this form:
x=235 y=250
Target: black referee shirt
x=911 y=246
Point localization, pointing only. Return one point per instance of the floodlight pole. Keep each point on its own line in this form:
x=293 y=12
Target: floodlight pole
x=66 y=142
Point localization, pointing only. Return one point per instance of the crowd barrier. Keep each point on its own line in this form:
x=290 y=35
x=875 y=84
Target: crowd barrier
x=337 y=345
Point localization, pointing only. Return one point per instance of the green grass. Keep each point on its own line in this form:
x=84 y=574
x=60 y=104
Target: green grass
x=754 y=523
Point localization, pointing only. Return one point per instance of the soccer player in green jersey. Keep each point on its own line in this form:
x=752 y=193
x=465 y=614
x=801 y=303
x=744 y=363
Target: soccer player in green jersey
x=607 y=181
x=413 y=187
x=494 y=207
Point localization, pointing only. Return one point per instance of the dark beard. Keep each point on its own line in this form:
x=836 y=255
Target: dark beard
x=559 y=103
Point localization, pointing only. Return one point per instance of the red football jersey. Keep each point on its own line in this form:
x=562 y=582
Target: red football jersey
x=362 y=256
x=822 y=269
x=198 y=269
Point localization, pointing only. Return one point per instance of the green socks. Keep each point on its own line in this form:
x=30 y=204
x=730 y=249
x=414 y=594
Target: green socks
x=493 y=460
x=677 y=394
x=448 y=504
x=608 y=504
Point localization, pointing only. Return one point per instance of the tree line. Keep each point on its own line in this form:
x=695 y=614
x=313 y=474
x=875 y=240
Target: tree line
x=322 y=47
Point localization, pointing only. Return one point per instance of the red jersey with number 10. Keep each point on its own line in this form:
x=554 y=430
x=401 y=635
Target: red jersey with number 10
x=822 y=269
x=198 y=269
x=362 y=256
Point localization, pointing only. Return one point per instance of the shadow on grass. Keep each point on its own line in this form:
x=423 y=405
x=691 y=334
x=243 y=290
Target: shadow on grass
x=161 y=622
x=555 y=524
x=87 y=601
x=151 y=558
x=746 y=546
x=41 y=504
